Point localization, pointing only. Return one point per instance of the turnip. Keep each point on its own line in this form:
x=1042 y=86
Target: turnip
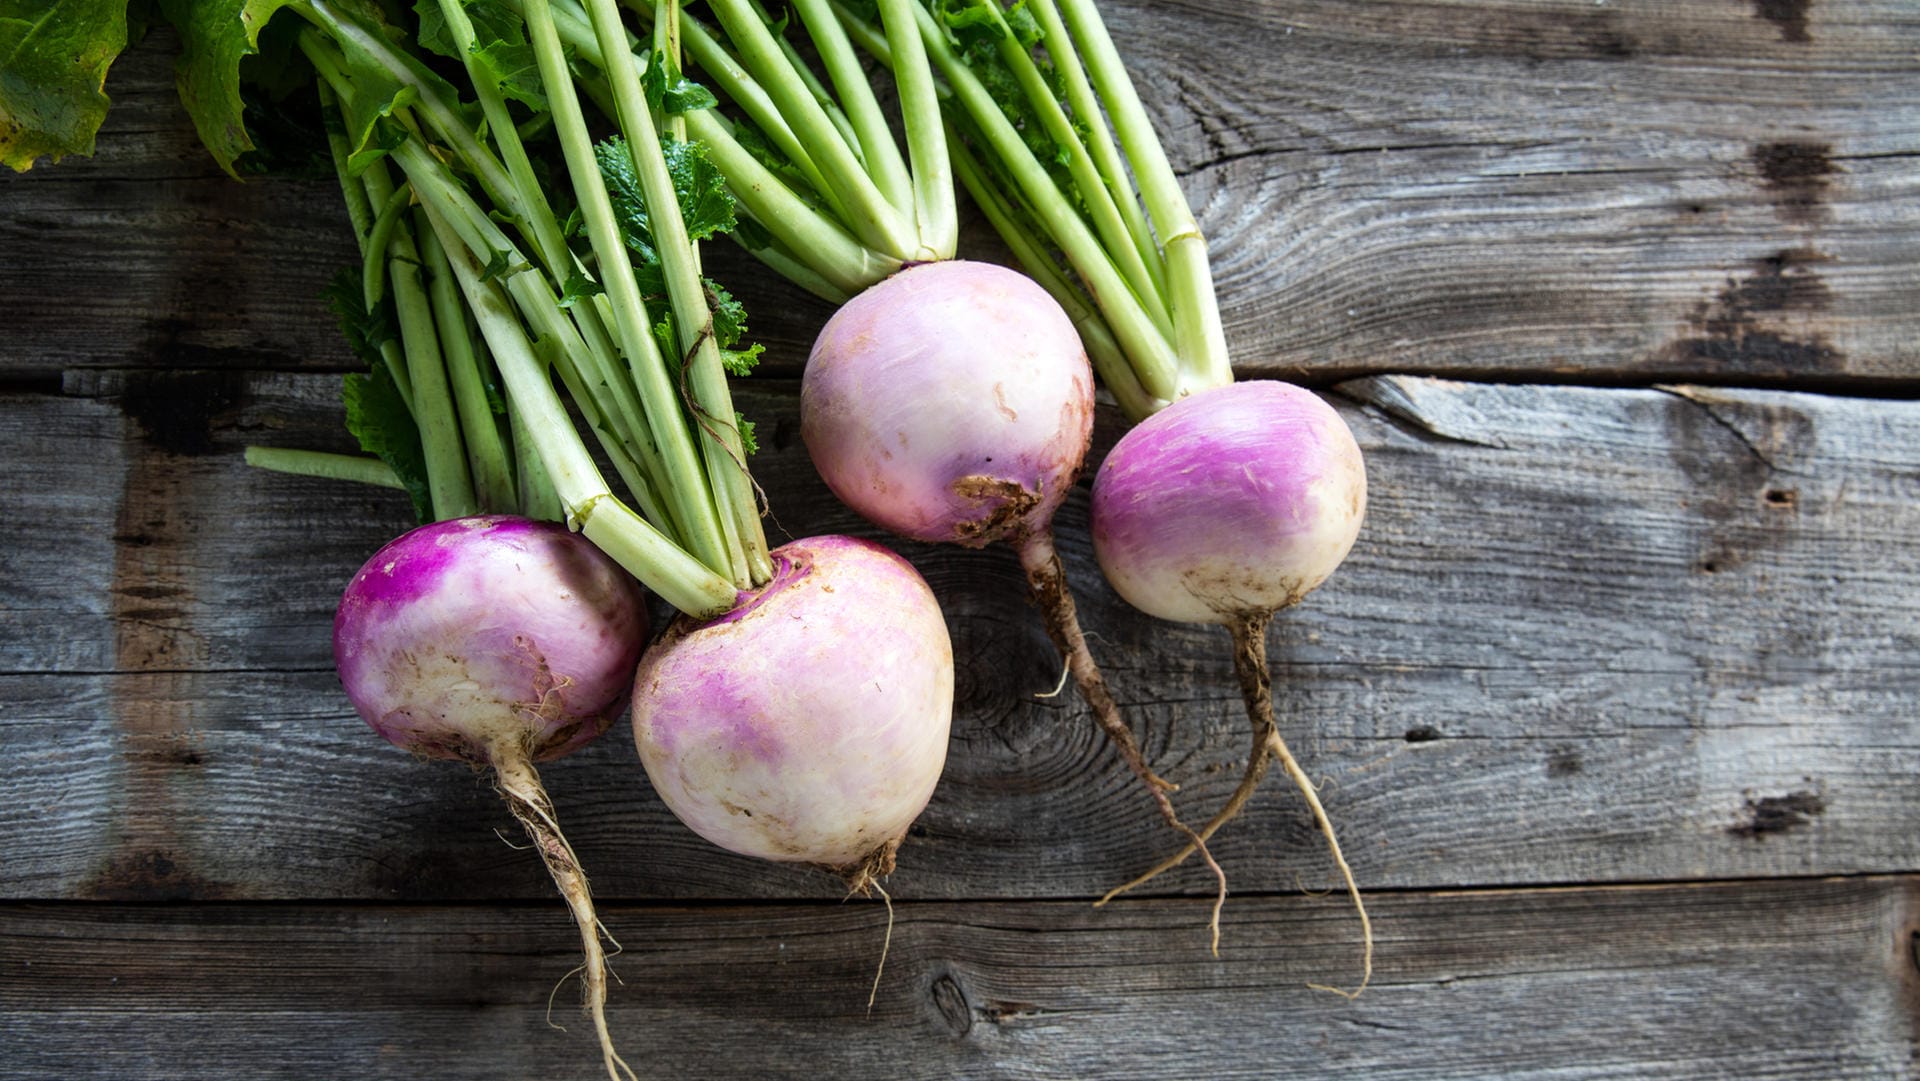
x=1226 y=507
x=953 y=403
x=499 y=642
x=810 y=723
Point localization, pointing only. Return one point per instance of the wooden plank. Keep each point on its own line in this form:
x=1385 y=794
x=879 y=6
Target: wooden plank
x=1588 y=636
x=1753 y=981
x=1626 y=192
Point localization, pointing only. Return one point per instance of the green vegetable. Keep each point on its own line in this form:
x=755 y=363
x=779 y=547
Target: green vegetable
x=53 y=71
x=826 y=197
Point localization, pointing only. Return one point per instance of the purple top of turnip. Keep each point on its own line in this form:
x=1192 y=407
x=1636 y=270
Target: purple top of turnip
x=465 y=633
x=1235 y=501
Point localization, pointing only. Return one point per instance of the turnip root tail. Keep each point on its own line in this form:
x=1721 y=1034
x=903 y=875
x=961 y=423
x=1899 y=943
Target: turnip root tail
x=519 y=785
x=1256 y=689
x=1048 y=582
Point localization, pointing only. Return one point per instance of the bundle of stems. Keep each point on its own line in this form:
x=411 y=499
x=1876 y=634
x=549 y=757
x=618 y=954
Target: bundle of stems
x=1053 y=144
x=461 y=242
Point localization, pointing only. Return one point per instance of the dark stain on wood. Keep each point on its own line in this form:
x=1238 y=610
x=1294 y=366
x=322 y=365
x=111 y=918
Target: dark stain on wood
x=1785 y=281
x=156 y=701
x=1743 y=329
x=1797 y=176
x=1779 y=814
x=1789 y=15
x=1423 y=733
x=420 y=874
x=149 y=875
x=176 y=410
x=1565 y=762
x=1551 y=35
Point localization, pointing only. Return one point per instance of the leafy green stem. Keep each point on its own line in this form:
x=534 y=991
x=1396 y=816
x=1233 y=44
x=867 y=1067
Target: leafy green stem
x=1085 y=103
x=684 y=480
x=359 y=213
x=660 y=564
x=867 y=212
x=935 y=213
x=536 y=214
x=1115 y=238
x=319 y=463
x=862 y=108
x=1199 y=336
x=709 y=399
x=487 y=457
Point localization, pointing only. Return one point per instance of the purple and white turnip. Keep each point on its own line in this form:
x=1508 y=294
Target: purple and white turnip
x=1226 y=507
x=499 y=642
x=810 y=723
x=953 y=403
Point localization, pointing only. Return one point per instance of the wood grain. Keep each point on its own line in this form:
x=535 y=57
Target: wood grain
x=1810 y=980
x=1623 y=192
x=1588 y=636
x=1627 y=190
x=1614 y=704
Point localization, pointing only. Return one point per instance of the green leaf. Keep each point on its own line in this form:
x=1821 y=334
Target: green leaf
x=500 y=46
x=751 y=234
x=53 y=68
x=215 y=35
x=366 y=331
x=706 y=207
x=744 y=426
x=729 y=315
x=978 y=29
x=669 y=91
x=432 y=32
x=623 y=191
x=667 y=339
x=742 y=361
x=578 y=288
x=498 y=264
x=379 y=420
x=705 y=204
x=381 y=135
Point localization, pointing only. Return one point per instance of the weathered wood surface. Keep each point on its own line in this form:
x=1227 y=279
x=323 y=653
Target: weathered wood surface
x=1618 y=674
x=1810 y=980
x=1622 y=191
x=1590 y=635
